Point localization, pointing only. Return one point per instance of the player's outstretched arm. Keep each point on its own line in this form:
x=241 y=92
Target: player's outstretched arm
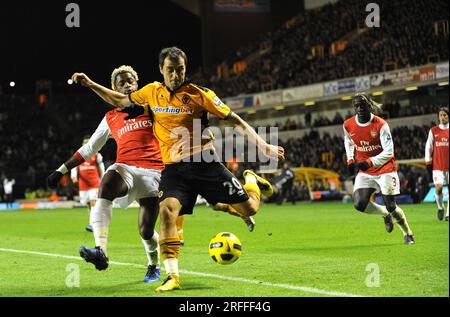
x=54 y=178
x=244 y=128
x=112 y=97
x=95 y=143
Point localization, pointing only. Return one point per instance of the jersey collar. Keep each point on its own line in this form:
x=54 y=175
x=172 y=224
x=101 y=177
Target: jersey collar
x=443 y=126
x=173 y=92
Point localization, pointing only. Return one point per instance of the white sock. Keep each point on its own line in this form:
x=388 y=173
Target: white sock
x=400 y=218
x=171 y=266
x=100 y=219
x=375 y=209
x=439 y=201
x=448 y=203
x=152 y=249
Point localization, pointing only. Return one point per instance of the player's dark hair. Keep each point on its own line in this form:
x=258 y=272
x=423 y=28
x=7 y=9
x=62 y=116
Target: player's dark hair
x=173 y=53
x=365 y=98
x=361 y=98
x=445 y=109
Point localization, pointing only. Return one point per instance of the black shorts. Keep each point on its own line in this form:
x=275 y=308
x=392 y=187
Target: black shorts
x=213 y=181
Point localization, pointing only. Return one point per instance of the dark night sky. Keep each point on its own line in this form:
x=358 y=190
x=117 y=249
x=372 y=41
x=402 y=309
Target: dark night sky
x=36 y=44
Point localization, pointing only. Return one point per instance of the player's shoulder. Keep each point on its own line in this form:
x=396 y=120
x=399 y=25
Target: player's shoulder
x=349 y=122
x=435 y=128
x=152 y=86
x=111 y=113
x=378 y=121
x=200 y=90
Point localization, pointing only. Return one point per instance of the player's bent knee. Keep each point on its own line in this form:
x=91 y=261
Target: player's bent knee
x=391 y=206
x=360 y=205
x=106 y=192
x=168 y=210
x=250 y=209
x=146 y=232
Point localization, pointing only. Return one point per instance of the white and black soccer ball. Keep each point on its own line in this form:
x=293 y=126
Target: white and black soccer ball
x=225 y=248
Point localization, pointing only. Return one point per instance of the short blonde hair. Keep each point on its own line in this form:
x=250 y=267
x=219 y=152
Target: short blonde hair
x=120 y=70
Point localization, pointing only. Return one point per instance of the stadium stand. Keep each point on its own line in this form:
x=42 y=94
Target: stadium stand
x=300 y=52
x=317 y=45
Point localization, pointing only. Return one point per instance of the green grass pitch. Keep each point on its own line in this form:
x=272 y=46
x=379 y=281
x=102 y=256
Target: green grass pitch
x=318 y=249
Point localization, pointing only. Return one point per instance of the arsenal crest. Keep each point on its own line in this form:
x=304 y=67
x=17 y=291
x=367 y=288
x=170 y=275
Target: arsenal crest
x=374 y=134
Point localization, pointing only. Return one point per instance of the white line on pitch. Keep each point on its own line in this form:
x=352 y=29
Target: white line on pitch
x=222 y=277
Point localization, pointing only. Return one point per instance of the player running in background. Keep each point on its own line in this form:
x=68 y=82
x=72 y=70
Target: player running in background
x=175 y=105
x=370 y=148
x=135 y=176
x=88 y=175
x=436 y=159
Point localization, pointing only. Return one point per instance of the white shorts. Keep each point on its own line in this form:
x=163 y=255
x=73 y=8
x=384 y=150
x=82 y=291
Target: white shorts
x=387 y=184
x=88 y=195
x=141 y=182
x=440 y=177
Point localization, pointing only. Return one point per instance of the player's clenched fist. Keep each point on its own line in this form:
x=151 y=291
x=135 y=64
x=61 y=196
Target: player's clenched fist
x=82 y=78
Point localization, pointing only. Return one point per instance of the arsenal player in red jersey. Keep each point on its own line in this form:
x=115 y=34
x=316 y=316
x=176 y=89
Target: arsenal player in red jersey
x=88 y=175
x=436 y=158
x=135 y=176
x=370 y=149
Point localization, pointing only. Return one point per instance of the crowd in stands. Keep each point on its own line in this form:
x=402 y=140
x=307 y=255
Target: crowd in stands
x=390 y=110
x=406 y=38
x=35 y=139
x=328 y=152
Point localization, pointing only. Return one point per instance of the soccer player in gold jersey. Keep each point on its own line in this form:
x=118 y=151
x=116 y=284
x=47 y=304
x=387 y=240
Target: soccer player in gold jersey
x=175 y=105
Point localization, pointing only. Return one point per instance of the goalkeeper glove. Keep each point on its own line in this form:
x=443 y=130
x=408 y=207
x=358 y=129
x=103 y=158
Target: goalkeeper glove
x=133 y=111
x=53 y=179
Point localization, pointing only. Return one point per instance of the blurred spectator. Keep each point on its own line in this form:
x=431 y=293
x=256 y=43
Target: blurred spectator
x=8 y=187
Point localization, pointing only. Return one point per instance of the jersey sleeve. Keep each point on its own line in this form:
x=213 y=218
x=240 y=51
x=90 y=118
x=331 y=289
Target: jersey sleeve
x=96 y=141
x=429 y=149
x=388 y=147
x=211 y=103
x=141 y=97
x=349 y=147
x=101 y=166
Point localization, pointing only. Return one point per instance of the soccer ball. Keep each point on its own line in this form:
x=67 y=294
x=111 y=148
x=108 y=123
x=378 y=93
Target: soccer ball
x=225 y=248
